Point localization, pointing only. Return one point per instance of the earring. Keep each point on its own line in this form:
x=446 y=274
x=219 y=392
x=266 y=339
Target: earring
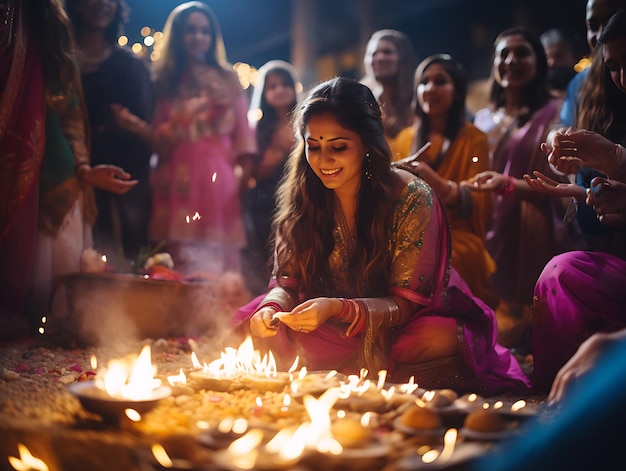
x=367 y=166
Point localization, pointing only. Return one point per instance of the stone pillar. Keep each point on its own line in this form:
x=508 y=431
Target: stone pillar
x=304 y=31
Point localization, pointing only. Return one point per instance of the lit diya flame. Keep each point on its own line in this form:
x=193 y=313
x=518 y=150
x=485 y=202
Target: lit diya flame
x=289 y=443
x=449 y=442
x=286 y=403
x=244 y=359
x=180 y=378
x=239 y=366
x=517 y=406
x=238 y=426
x=195 y=362
x=130 y=377
x=319 y=431
x=26 y=461
x=161 y=456
x=408 y=387
x=357 y=385
x=244 y=450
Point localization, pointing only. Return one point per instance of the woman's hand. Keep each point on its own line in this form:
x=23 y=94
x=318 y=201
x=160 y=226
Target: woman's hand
x=261 y=324
x=544 y=184
x=608 y=199
x=409 y=163
x=585 y=358
x=487 y=181
x=572 y=149
x=440 y=185
x=107 y=177
x=309 y=315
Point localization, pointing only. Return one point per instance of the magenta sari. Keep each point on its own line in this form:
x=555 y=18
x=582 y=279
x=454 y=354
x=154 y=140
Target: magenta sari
x=421 y=273
x=578 y=294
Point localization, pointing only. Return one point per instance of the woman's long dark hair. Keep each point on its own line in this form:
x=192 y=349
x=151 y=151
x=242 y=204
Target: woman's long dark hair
x=536 y=93
x=170 y=68
x=50 y=23
x=305 y=217
x=457 y=112
x=602 y=105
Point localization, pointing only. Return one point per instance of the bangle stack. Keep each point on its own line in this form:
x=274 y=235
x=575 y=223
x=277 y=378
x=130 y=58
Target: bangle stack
x=507 y=189
x=352 y=312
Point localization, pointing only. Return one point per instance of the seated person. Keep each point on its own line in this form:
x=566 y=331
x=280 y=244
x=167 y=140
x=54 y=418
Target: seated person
x=362 y=275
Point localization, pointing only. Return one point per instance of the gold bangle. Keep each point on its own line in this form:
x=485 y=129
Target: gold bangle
x=386 y=308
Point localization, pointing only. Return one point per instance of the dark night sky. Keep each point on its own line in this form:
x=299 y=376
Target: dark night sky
x=259 y=30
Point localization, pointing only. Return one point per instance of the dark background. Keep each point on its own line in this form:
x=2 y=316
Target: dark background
x=256 y=31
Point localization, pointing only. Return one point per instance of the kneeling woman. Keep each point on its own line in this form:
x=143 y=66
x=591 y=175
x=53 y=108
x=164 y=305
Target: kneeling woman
x=362 y=275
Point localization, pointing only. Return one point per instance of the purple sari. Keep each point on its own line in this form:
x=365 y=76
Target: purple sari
x=525 y=233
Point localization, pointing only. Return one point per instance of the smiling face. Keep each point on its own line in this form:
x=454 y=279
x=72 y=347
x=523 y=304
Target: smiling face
x=515 y=62
x=614 y=52
x=197 y=36
x=334 y=153
x=384 y=58
x=279 y=92
x=97 y=14
x=435 y=91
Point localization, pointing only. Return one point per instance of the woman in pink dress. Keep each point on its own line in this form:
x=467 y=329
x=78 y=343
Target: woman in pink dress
x=202 y=136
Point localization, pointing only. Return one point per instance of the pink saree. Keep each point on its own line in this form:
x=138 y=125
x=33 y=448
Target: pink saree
x=420 y=272
x=198 y=177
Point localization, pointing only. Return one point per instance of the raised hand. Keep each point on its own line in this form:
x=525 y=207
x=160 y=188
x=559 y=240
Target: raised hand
x=572 y=149
x=608 y=199
x=544 y=184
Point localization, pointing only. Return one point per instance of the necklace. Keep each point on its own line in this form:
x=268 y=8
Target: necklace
x=344 y=228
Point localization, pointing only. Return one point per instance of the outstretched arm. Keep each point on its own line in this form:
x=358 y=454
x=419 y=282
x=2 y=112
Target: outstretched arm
x=544 y=184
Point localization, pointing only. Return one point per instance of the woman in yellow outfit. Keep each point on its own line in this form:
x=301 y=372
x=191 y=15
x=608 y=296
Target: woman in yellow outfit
x=457 y=151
